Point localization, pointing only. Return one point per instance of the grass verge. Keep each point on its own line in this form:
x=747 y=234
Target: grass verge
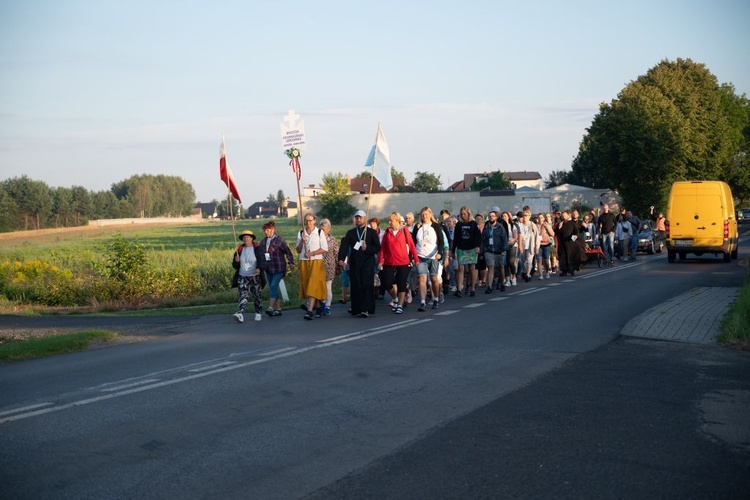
x=56 y=344
x=735 y=327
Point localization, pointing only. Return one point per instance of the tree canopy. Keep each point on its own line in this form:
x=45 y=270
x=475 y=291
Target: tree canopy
x=496 y=180
x=335 y=198
x=673 y=123
x=30 y=204
x=426 y=182
x=557 y=178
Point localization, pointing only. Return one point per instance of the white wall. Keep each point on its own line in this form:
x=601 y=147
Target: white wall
x=383 y=204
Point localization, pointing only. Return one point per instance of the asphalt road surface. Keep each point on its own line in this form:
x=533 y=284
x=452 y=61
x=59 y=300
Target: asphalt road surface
x=530 y=393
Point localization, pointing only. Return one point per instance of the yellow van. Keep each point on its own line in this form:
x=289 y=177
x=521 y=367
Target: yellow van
x=701 y=219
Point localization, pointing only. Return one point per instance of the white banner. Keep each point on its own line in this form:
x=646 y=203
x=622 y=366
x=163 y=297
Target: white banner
x=293 y=134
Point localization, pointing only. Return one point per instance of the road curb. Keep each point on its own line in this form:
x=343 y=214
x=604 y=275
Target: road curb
x=693 y=317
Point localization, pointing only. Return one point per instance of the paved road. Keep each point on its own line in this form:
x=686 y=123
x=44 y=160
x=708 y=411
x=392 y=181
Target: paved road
x=634 y=419
x=533 y=393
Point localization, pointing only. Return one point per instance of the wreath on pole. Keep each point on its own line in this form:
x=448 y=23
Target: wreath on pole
x=294 y=155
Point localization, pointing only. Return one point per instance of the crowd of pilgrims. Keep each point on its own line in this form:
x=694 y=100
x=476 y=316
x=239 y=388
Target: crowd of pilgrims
x=418 y=260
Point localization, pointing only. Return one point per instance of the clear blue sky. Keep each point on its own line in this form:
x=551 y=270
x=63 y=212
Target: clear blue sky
x=94 y=91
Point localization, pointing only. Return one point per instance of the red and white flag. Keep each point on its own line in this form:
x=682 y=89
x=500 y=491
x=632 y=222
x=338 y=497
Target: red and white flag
x=226 y=174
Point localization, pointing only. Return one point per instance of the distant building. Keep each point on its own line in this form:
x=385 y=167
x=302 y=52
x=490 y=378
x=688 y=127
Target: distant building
x=291 y=209
x=362 y=186
x=523 y=179
x=266 y=209
x=517 y=180
x=205 y=210
x=457 y=186
x=262 y=210
x=312 y=190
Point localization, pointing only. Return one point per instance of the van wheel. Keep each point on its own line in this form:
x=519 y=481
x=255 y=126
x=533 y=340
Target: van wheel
x=670 y=255
x=727 y=257
x=683 y=255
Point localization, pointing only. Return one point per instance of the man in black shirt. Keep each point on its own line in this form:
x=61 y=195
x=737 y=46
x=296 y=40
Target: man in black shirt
x=606 y=227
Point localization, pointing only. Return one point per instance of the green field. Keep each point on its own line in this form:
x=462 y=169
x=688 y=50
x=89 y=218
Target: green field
x=167 y=266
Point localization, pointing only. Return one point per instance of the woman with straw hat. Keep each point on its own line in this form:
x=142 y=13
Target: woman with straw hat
x=249 y=263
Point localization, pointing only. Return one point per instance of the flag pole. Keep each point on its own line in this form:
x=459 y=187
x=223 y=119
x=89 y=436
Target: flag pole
x=230 y=208
x=299 y=203
x=231 y=213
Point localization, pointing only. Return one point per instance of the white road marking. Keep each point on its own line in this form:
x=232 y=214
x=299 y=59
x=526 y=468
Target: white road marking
x=472 y=306
x=128 y=386
x=277 y=351
x=447 y=313
x=211 y=367
x=195 y=376
x=331 y=339
x=25 y=408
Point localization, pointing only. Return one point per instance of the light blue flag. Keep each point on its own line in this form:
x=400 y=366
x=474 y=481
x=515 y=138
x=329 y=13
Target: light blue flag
x=379 y=160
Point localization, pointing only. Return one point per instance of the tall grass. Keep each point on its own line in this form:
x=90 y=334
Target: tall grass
x=57 y=344
x=735 y=327
x=188 y=264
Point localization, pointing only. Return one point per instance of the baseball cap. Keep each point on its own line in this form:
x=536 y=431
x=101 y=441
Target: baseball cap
x=360 y=213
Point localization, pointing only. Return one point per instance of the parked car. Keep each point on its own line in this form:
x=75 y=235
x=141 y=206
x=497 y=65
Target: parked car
x=743 y=215
x=648 y=240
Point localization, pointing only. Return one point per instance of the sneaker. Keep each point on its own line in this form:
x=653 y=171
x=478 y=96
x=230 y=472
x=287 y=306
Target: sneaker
x=502 y=288
x=363 y=314
x=399 y=310
x=258 y=316
x=239 y=317
x=434 y=304
x=472 y=293
x=457 y=294
x=326 y=311
x=318 y=312
x=513 y=281
x=277 y=312
x=453 y=289
x=541 y=277
x=308 y=315
x=269 y=311
x=422 y=307
x=489 y=290
x=442 y=298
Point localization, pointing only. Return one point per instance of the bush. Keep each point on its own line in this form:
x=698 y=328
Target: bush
x=41 y=282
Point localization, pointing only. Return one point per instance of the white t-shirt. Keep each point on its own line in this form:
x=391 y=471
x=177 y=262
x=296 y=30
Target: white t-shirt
x=248 y=262
x=315 y=240
x=426 y=241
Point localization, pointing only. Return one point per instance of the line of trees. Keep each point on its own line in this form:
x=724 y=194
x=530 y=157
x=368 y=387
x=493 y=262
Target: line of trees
x=30 y=204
